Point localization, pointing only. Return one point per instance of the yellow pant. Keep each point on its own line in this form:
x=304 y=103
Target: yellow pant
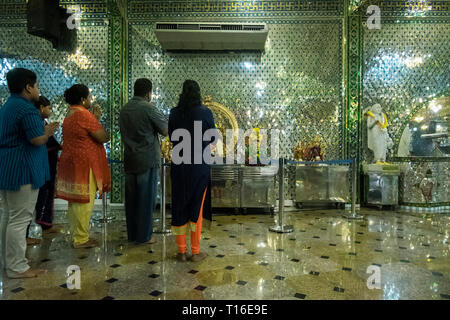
x=79 y=214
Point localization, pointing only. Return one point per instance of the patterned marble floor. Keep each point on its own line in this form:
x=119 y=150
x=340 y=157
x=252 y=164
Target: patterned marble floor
x=326 y=257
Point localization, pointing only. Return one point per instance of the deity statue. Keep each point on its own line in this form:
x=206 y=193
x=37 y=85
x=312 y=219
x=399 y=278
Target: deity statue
x=313 y=150
x=404 y=147
x=378 y=140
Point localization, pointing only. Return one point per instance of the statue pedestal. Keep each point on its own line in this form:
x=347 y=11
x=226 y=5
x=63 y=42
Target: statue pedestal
x=381 y=184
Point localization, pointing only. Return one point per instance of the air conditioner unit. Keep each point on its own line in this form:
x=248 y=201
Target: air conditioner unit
x=211 y=36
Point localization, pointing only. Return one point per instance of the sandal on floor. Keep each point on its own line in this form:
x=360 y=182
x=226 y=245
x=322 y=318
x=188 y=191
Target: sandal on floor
x=30 y=273
x=87 y=245
x=181 y=257
x=151 y=241
x=198 y=257
x=52 y=230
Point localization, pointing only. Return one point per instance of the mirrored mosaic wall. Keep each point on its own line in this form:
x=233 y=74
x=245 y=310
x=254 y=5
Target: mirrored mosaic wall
x=406 y=64
x=321 y=67
x=294 y=86
x=425 y=183
x=57 y=71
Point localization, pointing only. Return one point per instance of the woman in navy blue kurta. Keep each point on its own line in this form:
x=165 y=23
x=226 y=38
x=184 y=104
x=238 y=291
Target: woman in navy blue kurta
x=191 y=180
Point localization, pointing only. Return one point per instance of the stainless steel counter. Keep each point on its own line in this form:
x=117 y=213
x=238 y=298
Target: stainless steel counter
x=258 y=187
x=225 y=186
x=380 y=185
x=322 y=183
x=239 y=186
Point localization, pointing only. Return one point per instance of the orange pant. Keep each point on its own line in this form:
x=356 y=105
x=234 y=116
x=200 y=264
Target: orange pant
x=195 y=236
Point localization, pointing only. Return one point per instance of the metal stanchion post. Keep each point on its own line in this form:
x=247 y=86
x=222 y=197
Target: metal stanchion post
x=354 y=215
x=105 y=221
x=104 y=218
x=104 y=204
x=280 y=228
x=163 y=199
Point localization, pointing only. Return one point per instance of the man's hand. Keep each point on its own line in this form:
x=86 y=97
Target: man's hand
x=51 y=128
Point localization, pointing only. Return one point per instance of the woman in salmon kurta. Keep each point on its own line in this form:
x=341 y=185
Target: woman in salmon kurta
x=83 y=167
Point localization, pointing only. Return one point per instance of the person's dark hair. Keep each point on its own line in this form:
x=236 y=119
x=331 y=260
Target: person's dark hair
x=74 y=94
x=43 y=101
x=190 y=97
x=19 y=78
x=142 y=87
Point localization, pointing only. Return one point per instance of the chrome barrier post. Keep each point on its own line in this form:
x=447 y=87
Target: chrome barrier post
x=163 y=199
x=281 y=228
x=354 y=215
x=104 y=218
x=104 y=204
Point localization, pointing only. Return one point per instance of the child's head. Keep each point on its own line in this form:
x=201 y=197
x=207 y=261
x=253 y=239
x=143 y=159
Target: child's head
x=44 y=107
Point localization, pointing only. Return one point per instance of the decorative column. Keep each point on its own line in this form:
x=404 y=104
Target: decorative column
x=118 y=94
x=353 y=134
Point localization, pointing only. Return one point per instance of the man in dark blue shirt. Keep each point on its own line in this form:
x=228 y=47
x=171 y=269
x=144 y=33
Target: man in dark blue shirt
x=23 y=167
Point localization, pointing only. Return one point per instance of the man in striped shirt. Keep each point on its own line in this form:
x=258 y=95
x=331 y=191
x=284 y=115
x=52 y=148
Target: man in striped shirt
x=23 y=168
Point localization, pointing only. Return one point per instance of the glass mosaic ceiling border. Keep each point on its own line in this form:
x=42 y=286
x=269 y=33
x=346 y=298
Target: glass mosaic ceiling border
x=404 y=8
x=230 y=8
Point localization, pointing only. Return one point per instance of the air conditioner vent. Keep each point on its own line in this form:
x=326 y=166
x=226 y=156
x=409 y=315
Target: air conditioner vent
x=254 y=27
x=168 y=26
x=187 y=26
x=211 y=36
x=209 y=27
x=232 y=27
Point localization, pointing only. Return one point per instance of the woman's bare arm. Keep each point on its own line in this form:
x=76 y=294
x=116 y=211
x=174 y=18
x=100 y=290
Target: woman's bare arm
x=100 y=136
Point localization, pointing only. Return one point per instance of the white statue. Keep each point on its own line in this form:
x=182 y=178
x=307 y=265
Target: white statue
x=378 y=139
x=404 y=147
